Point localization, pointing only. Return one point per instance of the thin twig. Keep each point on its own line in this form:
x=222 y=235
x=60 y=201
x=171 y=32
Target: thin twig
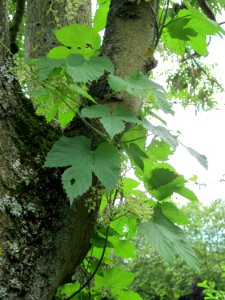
x=164 y=20
x=156 y=25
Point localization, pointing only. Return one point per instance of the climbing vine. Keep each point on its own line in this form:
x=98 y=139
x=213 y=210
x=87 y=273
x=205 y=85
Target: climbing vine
x=115 y=141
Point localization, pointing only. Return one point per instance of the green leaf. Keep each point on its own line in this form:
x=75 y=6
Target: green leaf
x=137 y=134
x=114 y=279
x=59 y=110
x=178 y=29
x=136 y=154
x=136 y=84
x=191 y=27
x=185 y=192
x=99 y=241
x=46 y=65
x=95 y=111
x=159 y=97
x=113 y=122
x=200 y=22
x=60 y=52
x=82 y=39
x=173 y=213
x=67 y=289
x=168 y=240
x=159 y=150
x=199 y=44
x=82 y=92
x=101 y=14
x=202 y=159
x=128 y=295
x=76 y=153
x=123 y=248
x=107 y=165
x=168 y=189
x=162 y=133
x=161 y=176
x=125 y=226
x=175 y=45
x=82 y=70
x=163 y=182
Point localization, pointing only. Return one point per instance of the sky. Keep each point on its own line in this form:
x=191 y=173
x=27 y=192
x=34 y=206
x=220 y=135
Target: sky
x=203 y=132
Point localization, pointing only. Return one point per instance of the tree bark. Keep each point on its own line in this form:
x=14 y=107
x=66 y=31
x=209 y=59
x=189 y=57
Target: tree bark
x=42 y=238
x=129 y=41
x=43 y=17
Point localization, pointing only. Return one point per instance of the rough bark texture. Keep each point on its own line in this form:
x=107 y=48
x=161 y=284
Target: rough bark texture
x=45 y=16
x=3 y=29
x=42 y=239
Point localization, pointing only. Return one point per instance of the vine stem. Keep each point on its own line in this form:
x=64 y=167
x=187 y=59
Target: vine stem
x=156 y=25
x=164 y=20
x=100 y=260
x=96 y=269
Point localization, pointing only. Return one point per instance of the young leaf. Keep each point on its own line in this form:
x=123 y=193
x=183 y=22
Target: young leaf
x=106 y=165
x=202 y=159
x=162 y=133
x=173 y=213
x=55 y=108
x=76 y=154
x=179 y=29
x=168 y=240
x=162 y=183
x=113 y=122
x=160 y=177
x=100 y=17
x=136 y=154
x=123 y=248
x=114 y=279
x=46 y=65
x=82 y=70
x=175 y=45
x=82 y=92
x=128 y=295
x=159 y=150
x=82 y=39
x=125 y=226
x=137 y=134
x=136 y=84
x=188 y=194
x=159 y=97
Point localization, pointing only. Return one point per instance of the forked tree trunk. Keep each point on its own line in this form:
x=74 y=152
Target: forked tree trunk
x=42 y=239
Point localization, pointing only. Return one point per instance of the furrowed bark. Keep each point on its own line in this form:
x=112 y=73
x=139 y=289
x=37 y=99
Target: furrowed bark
x=42 y=239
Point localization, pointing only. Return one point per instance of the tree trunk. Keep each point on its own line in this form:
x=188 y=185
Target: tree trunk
x=42 y=238
x=45 y=16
